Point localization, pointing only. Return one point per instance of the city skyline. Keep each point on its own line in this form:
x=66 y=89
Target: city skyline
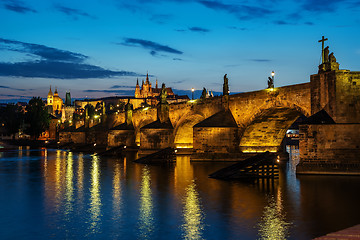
x=99 y=49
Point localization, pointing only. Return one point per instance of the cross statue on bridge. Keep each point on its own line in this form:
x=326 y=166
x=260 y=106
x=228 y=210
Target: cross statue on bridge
x=322 y=48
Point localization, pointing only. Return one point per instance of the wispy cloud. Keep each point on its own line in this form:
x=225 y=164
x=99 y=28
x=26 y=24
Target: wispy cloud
x=52 y=63
x=60 y=70
x=17 y=6
x=152 y=46
x=199 y=29
x=42 y=51
x=120 y=86
x=238 y=28
x=72 y=12
x=116 y=92
x=241 y=11
x=17 y=89
x=260 y=60
x=282 y=22
x=321 y=6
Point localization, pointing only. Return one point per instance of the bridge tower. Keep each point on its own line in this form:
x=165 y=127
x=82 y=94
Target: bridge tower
x=332 y=147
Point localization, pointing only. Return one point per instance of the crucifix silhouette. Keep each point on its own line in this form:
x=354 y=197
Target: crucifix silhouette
x=322 y=48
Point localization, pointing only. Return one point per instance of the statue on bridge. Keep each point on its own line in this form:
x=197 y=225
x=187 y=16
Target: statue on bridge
x=332 y=58
x=326 y=54
x=270 y=82
x=328 y=62
x=163 y=94
x=203 y=94
x=128 y=113
x=226 y=86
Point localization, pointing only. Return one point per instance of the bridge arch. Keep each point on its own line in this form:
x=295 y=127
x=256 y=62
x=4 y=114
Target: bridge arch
x=183 y=132
x=138 y=126
x=266 y=129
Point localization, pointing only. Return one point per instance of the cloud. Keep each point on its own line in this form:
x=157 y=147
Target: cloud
x=75 y=13
x=17 y=89
x=116 y=92
x=177 y=59
x=322 y=6
x=18 y=6
x=52 y=63
x=120 y=86
x=59 y=70
x=199 y=29
x=243 y=12
x=153 y=46
x=260 y=60
x=44 y=52
x=281 y=22
x=238 y=28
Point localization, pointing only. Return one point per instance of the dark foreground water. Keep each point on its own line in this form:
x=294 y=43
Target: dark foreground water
x=55 y=194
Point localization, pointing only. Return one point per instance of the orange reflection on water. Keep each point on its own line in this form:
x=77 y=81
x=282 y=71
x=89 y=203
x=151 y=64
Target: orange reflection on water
x=117 y=190
x=146 y=220
x=80 y=178
x=69 y=184
x=193 y=215
x=273 y=224
x=95 y=200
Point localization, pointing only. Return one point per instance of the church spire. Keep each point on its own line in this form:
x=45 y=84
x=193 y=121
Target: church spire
x=50 y=92
x=147 y=78
x=137 y=82
x=156 y=86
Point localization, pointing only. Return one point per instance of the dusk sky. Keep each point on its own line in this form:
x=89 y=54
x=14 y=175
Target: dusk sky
x=99 y=48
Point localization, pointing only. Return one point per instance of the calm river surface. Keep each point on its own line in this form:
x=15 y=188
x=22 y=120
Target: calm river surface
x=56 y=194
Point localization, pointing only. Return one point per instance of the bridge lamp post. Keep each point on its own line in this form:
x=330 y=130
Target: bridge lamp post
x=273 y=76
x=192 y=93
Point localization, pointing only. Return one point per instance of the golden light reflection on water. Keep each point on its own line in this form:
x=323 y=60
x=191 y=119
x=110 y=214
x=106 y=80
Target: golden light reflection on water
x=117 y=191
x=95 y=200
x=80 y=178
x=183 y=172
x=146 y=220
x=69 y=184
x=273 y=224
x=193 y=216
x=58 y=174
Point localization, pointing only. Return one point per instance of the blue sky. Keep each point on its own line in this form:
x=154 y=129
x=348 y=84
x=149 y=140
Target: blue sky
x=99 y=48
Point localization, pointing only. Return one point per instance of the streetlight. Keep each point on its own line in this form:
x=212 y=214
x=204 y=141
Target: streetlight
x=271 y=80
x=192 y=91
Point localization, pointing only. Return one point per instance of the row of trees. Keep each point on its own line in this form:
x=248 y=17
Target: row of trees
x=34 y=120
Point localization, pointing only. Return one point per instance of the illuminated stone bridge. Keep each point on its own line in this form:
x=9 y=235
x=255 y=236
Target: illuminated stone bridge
x=247 y=122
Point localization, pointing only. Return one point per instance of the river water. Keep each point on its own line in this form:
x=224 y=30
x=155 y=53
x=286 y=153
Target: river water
x=56 y=194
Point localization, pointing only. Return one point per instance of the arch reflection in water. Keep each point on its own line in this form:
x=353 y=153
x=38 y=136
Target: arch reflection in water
x=193 y=216
x=146 y=220
x=273 y=224
x=95 y=200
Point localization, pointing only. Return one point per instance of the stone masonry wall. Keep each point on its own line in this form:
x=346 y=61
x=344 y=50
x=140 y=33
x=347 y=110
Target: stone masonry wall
x=329 y=148
x=215 y=139
x=121 y=137
x=156 y=138
x=338 y=92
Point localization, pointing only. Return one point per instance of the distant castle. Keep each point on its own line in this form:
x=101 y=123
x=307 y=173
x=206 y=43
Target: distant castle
x=146 y=91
